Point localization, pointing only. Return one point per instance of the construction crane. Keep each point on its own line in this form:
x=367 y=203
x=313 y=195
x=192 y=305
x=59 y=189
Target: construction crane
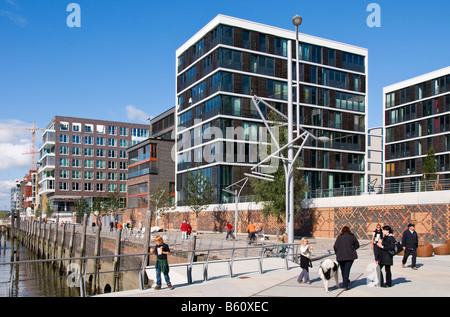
x=33 y=130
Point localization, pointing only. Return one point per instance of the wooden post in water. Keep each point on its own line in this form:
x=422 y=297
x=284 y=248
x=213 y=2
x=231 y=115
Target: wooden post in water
x=44 y=239
x=71 y=242
x=97 y=266
x=116 y=263
x=61 y=266
x=55 y=240
x=146 y=245
x=38 y=238
x=13 y=216
x=83 y=242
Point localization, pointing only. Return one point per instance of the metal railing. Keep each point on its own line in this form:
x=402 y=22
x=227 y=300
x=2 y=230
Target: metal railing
x=393 y=188
x=255 y=251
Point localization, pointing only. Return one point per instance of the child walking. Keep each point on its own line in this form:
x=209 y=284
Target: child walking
x=305 y=261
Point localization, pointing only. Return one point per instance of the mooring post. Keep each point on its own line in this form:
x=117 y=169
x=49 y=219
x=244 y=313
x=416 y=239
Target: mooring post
x=116 y=263
x=72 y=239
x=55 y=240
x=96 y=284
x=83 y=241
x=62 y=245
x=146 y=247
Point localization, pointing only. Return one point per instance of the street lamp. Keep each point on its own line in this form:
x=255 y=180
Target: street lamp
x=236 y=194
x=297 y=21
x=302 y=134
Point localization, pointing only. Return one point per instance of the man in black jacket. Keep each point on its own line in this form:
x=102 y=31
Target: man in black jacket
x=410 y=243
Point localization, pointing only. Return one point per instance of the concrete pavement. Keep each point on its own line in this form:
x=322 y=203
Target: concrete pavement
x=432 y=279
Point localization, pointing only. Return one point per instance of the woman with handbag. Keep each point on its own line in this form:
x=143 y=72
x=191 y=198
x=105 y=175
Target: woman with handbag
x=305 y=261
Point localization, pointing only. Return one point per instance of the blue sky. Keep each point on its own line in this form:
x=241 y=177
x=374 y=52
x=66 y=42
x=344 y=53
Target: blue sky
x=120 y=64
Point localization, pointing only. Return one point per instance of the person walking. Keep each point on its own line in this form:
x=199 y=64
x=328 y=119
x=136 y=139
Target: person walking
x=162 y=250
x=384 y=257
x=305 y=261
x=188 y=231
x=284 y=239
x=345 y=248
x=251 y=231
x=377 y=236
x=410 y=243
x=229 y=232
x=183 y=228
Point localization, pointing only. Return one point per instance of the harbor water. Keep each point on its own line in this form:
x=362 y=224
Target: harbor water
x=31 y=279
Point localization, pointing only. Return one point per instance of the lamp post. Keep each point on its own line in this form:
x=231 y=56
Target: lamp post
x=302 y=135
x=236 y=194
x=297 y=21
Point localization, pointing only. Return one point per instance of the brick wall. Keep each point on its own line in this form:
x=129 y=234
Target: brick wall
x=432 y=221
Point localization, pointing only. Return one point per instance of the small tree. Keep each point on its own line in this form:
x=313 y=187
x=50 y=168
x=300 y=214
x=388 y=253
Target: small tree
x=161 y=202
x=430 y=164
x=81 y=207
x=48 y=211
x=198 y=192
x=113 y=204
x=273 y=194
x=429 y=167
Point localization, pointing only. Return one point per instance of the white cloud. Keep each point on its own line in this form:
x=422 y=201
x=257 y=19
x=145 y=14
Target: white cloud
x=136 y=114
x=14 y=143
x=16 y=18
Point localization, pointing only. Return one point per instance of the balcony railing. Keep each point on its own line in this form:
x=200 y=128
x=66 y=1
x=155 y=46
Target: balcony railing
x=394 y=188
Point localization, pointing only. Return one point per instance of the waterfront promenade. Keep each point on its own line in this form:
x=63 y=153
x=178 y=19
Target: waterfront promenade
x=432 y=279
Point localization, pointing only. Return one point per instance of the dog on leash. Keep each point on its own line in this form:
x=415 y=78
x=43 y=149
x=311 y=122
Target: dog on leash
x=328 y=269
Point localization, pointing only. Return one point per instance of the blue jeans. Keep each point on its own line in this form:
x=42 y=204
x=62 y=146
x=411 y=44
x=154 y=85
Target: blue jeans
x=165 y=273
x=345 y=269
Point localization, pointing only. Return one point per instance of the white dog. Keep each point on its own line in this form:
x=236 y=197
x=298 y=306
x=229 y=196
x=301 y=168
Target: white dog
x=327 y=269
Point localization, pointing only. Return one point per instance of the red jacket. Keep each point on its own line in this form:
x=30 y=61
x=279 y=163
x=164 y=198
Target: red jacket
x=184 y=226
x=229 y=226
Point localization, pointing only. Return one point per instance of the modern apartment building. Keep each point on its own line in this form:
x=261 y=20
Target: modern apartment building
x=85 y=158
x=230 y=60
x=162 y=126
x=375 y=158
x=15 y=196
x=416 y=117
x=150 y=168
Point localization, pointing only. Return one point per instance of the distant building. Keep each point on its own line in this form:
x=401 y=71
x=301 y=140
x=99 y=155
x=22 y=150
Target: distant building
x=150 y=167
x=162 y=126
x=416 y=118
x=15 y=196
x=85 y=158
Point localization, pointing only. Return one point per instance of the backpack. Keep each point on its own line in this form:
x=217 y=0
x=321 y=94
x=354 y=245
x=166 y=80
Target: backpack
x=397 y=248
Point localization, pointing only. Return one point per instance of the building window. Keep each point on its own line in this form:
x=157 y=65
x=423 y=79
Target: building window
x=64 y=126
x=100 y=129
x=76 y=151
x=63 y=138
x=112 y=130
x=123 y=131
x=76 y=139
x=89 y=128
x=76 y=127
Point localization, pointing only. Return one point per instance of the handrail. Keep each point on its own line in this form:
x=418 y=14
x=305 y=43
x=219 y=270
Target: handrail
x=141 y=270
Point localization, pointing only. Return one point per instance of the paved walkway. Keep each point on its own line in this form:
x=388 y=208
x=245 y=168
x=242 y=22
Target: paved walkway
x=432 y=279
